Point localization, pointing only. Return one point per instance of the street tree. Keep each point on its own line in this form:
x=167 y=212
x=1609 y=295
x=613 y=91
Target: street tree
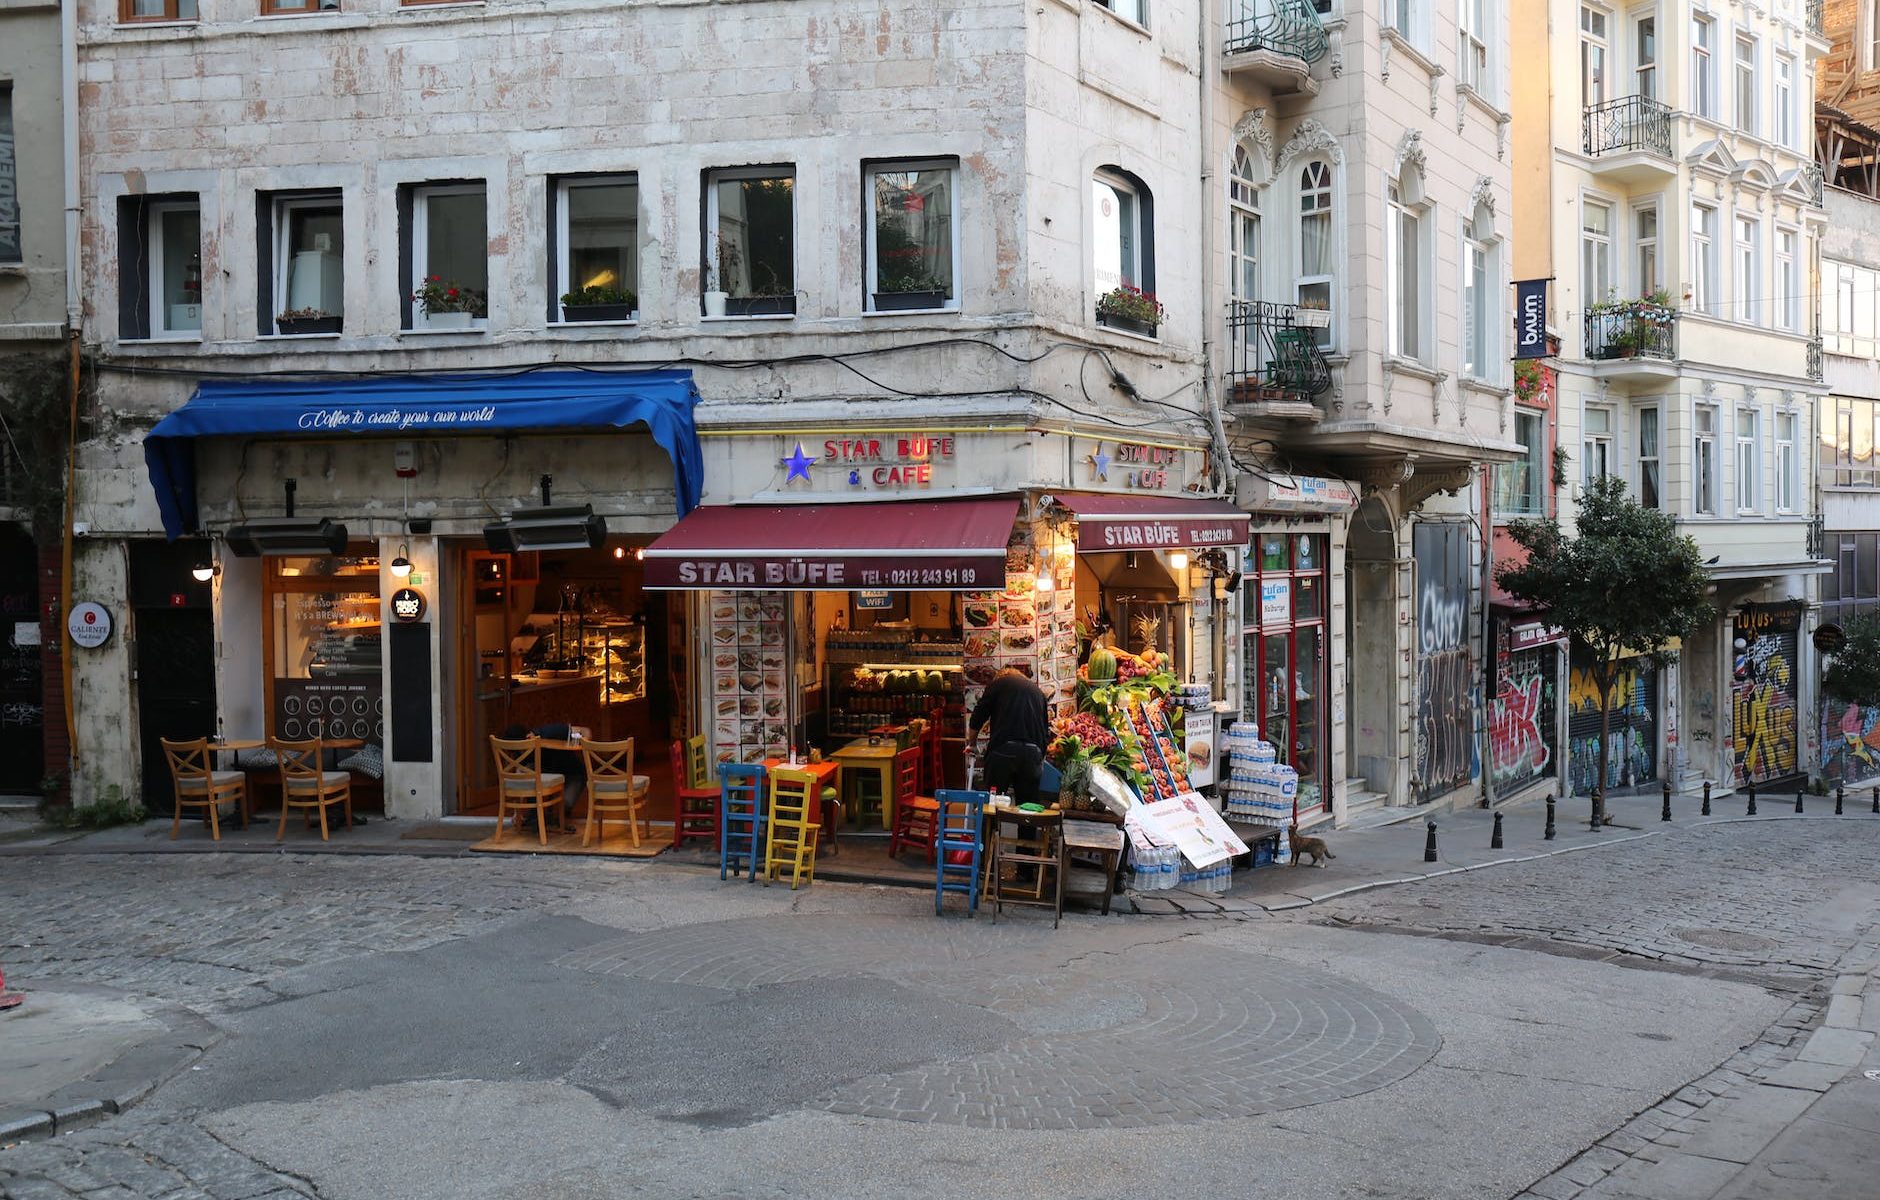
x=1853 y=673
x=1625 y=581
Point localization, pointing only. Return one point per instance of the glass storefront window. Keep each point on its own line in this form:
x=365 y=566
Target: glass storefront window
x=1283 y=668
x=324 y=648
x=1273 y=552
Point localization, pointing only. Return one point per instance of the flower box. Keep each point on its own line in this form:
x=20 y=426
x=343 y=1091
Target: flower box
x=573 y=313
x=300 y=326
x=910 y=301
x=760 y=306
x=1126 y=324
x=448 y=320
x=1312 y=318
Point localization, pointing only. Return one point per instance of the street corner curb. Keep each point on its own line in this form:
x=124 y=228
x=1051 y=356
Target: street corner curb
x=18 y=1124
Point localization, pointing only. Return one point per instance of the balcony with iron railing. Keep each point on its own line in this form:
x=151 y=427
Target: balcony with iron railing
x=1816 y=27
x=1630 y=139
x=1632 y=337
x=1813 y=363
x=1273 y=360
x=1275 y=42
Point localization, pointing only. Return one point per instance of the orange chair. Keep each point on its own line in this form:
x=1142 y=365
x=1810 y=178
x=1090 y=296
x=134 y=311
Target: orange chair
x=916 y=817
x=695 y=797
x=522 y=784
x=199 y=785
x=305 y=784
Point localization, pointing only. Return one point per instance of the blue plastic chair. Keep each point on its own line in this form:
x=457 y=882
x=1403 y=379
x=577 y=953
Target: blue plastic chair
x=961 y=816
x=741 y=826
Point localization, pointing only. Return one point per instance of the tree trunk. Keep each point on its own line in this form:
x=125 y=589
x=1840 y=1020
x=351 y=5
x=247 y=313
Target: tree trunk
x=1605 y=681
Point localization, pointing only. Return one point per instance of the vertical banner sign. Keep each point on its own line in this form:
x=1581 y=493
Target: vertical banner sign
x=1530 y=318
x=1445 y=709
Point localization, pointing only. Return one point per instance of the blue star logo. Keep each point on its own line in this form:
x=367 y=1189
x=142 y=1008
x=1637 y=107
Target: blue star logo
x=799 y=464
x=1100 y=464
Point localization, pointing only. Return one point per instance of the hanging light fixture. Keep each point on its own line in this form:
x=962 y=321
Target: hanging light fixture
x=1178 y=560
x=205 y=569
x=401 y=566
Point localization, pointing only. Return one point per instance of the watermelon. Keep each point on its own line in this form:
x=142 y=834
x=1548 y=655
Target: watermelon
x=1102 y=665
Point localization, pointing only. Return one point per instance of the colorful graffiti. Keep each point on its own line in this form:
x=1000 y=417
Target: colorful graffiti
x=1765 y=724
x=1445 y=701
x=1521 y=721
x=1850 y=742
x=1633 y=750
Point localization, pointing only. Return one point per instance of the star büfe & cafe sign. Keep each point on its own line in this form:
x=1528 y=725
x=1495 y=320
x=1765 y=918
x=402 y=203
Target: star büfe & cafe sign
x=887 y=462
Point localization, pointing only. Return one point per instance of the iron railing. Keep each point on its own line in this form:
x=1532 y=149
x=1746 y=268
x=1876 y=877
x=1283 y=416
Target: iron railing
x=1623 y=334
x=1813 y=178
x=1288 y=27
x=1628 y=123
x=1270 y=358
x=1817 y=371
x=1815 y=26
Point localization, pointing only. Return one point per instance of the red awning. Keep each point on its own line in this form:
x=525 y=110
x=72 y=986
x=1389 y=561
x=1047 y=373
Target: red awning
x=1153 y=522
x=904 y=546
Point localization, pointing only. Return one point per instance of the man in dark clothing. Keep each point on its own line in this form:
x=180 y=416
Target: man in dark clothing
x=1014 y=707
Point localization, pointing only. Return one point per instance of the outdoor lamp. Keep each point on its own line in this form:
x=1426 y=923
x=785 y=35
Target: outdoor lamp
x=204 y=570
x=1178 y=560
x=401 y=566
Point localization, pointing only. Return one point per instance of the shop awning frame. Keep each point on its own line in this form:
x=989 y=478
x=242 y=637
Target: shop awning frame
x=1108 y=522
x=424 y=406
x=893 y=545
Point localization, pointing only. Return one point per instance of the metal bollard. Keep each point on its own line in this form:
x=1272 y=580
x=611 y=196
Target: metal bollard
x=1666 y=814
x=1876 y=801
x=1798 y=799
x=1752 y=798
x=1706 y=797
x=1494 y=839
x=1549 y=834
x=1837 y=800
x=1429 y=844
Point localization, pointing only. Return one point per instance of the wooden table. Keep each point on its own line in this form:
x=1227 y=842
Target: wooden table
x=828 y=774
x=1092 y=837
x=860 y=756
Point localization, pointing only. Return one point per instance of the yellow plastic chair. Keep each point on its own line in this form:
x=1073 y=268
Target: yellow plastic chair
x=522 y=784
x=612 y=788
x=791 y=838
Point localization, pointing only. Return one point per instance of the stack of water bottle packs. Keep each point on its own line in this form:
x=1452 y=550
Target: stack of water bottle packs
x=1258 y=786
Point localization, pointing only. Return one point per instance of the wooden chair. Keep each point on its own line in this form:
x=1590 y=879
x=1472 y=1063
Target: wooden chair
x=958 y=836
x=521 y=784
x=790 y=837
x=199 y=785
x=306 y=784
x=694 y=795
x=916 y=817
x=612 y=787
x=741 y=818
x=1026 y=843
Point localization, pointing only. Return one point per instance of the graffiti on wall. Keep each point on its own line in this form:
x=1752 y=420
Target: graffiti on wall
x=1445 y=742
x=1765 y=724
x=1850 y=742
x=1521 y=719
x=1632 y=742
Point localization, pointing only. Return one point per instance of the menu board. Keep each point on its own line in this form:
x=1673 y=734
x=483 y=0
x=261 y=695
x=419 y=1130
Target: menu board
x=1025 y=627
x=750 y=677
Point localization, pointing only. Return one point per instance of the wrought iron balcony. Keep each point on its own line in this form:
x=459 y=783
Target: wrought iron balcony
x=1285 y=27
x=1633 y=330
x=1626 y=124
x=1272 y=360
x=1814 y=178
x=1817 y=371
x=1815 y=26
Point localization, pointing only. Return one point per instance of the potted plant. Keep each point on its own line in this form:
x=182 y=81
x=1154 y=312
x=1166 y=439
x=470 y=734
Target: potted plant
x=720 y=271
x=770 y=298
x=905 y=289
x=302 y=321
x=1130 y=308
x=598 y=304
x=1312 y=314
x=447 y=305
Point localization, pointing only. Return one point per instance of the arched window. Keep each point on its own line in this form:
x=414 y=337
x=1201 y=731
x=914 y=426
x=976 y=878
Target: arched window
x=1123 y=229
x=1482 y=316
x=1316 y=267
x=1243 y=233
x=1406 y=251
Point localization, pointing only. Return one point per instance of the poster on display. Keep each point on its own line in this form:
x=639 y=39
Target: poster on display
x=1275 y=601
x=1188 y=823
x=1765 y=719
x=750 y=683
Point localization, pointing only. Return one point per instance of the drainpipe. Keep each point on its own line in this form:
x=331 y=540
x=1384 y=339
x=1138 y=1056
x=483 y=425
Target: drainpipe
x=68 y=104
x=1488 y=645
x=1207 y=37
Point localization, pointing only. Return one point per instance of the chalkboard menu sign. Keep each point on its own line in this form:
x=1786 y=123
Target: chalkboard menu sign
x=334 y=709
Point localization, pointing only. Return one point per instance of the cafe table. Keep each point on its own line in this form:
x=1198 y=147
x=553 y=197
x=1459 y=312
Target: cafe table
x=859 y=756
x=828 y=774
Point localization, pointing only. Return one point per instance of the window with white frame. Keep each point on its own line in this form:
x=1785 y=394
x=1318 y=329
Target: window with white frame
x=1593 y=51
x=1788 y=280
x=1472 y=38
x=1595 y=249
x=1704 y=461
x=1748 y=266
x=1703 y=258
x=175 y=281
x=1748 y=485
x=913 y=238
x=1476 y=307
x=1403 y=255
x=1646 y=275
x=1870 y=14
x=1645 y=55
x=1317 y=244
x=450 y=262
x=1596 y=444
x=1651 y=467
x=1848 y=310
x=1703 y=65
x=1401 y=15
x=1784 y=128
x=597 y=247
x=1520 y=485
x=308 y=273
x=1133 y=10
x=1746 y=107
x=1788 y=463
x=1123 y=222
x=1243 y=225
x=750 y=251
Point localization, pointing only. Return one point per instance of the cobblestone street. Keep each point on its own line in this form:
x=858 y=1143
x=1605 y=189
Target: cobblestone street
x=387 y=1018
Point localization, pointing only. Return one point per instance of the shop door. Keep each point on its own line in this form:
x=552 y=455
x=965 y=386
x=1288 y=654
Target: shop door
x=174 y=656
x=487 y=595
x=22 y=698
x=1633 y=761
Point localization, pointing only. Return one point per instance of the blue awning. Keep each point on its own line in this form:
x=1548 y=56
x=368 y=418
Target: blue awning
x=423 y=406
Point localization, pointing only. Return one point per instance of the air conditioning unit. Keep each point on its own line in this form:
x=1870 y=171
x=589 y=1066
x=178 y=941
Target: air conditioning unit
x=556 y=528
x=287 y=535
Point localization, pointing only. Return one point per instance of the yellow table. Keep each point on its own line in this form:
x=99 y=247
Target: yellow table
x=859 y=756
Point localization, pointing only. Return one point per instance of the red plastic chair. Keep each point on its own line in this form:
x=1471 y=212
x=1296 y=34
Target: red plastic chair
x=916 y=817
x=694 y=800
x=932 y=777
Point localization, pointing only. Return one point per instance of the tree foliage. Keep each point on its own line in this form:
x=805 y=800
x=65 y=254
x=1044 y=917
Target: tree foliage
x=1626 y=581
x=1853 y=675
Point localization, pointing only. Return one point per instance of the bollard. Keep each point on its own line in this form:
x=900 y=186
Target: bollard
x=1549 y=834
x=1666 y=814
x=1494 y=839
x=1798 y=799
x=1599 y=809
x=1429 y=844
x=1837 y=800
x=1752 y=798
x=1706 y=797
